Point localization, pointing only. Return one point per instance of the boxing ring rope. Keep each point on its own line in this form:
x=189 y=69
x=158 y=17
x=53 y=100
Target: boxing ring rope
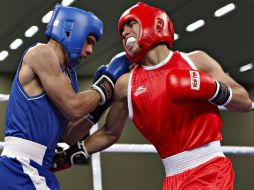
x=148 y=148
x=137 y=148
x=4 y=97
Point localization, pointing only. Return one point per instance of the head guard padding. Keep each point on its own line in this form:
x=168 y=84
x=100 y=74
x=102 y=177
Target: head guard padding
x=155 y=27
x=70 y=27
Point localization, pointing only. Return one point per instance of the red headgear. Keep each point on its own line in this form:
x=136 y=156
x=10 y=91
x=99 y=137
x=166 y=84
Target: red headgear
x=155 y=27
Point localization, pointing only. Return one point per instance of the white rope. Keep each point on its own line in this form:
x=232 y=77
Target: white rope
x=131 y=148
x=96 y=166
x=238 y=150
x=4 y=97
x=1 y=145
x=147 y=148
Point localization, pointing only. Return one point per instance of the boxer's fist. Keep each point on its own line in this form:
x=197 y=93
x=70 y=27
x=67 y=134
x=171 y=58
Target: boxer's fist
x=118 y=66
x=193 y=84
x=99 y=72
x=75 y=154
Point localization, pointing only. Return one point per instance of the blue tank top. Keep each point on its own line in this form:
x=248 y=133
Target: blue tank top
x=36 y=118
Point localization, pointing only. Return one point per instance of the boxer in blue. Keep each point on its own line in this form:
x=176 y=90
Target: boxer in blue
x=44 y=98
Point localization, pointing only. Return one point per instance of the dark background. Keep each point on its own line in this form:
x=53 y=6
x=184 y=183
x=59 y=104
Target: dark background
x=228 y=39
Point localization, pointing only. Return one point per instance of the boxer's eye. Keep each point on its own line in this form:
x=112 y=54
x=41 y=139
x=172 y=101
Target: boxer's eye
x=90 y=41
x=131 y=23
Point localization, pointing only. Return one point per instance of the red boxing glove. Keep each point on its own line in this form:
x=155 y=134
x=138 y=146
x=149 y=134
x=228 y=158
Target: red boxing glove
x=192 y=84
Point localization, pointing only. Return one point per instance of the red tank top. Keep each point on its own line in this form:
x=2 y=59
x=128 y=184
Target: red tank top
x=172 y=128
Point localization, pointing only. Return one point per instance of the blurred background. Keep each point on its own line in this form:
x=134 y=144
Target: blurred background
x=222 y=28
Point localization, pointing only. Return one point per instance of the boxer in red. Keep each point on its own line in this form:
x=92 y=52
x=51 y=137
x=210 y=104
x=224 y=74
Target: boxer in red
x=172 y=98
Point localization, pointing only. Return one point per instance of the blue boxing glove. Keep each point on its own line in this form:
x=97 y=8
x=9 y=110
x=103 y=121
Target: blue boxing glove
x=96 y=114
x=100 y=71
x=118 y=66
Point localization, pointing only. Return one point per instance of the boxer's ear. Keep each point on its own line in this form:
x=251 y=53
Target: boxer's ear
x=159 y=25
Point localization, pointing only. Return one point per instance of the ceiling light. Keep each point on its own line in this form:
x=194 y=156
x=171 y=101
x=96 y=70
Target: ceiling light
x=195 y=25
x=16 y=43
x=246 y=67
x=31 y=31
x=3 y=55
x=176 y=36
x=67 y=2
x=47 y=17
x=224 y=10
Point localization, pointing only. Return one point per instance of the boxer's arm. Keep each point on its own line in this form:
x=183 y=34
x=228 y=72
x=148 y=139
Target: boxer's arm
x=57 y=85
x=74 y=135
x=118 y=65
x=76 y=131
x=115 y=121
x=240 y=98
x=103 y=137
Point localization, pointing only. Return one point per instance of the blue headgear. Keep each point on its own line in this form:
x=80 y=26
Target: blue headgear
x=70 y=27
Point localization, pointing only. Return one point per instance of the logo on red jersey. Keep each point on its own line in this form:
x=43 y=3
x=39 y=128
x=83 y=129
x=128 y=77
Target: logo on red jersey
x=195 y=80
x=140 y=90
